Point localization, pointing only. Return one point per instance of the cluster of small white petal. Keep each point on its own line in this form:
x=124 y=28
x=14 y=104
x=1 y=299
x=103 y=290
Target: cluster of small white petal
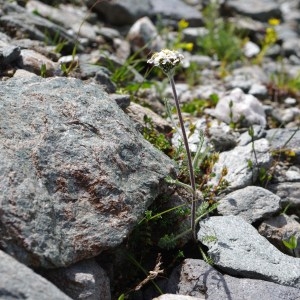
x=166 y=59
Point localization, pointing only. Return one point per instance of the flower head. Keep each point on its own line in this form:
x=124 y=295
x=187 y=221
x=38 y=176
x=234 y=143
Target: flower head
x=166 y=59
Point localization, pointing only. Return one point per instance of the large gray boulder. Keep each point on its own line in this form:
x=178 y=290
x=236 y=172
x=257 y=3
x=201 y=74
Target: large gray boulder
x=126 y=12
x=75 y=175
x=238 y=249
x=19 y=282
x=196 y=278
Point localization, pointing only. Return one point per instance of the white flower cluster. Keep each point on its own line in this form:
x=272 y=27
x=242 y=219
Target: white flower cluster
x=166 y=59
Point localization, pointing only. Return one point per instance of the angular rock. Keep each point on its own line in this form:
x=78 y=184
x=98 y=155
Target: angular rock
x=239 y=173
x=126 y=12
x=177 y=297
x=121 y=12
x=143 y=35
x=238 y=249
x=19 y=282
x=17 y=19
x=196 y=278
x=176 y=11
x=289 y=192
x=285 y=138
x=34 y=62
x=238 y=107
x=70 y=17
x=252 y=203
x=261 y=10
x=137 y=113
x=8 y=54
x=280 y=228
x=75 y=175
x=83 y=280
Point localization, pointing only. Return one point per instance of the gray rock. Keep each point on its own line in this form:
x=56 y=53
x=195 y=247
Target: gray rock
x=177 y=297
x=122 y=100
x=9 y=54
x=34 y=27
x=19 y=282
x=126 y=12
x=261 y=10
x=239 y=108
x=121 y=12
x=238 y=249
x=252 y=203
x=83 y=280
x=289 y=192
x=70 y=17
x=103 y=78
x=177 y=11
x=75 y=175
x=258 y=133
x=137 y=113
x=196 y=278
x=34 y=62
x=280 y=228
x=285 y=138
x=239 y=173
x=258 y=90
x=144 y=35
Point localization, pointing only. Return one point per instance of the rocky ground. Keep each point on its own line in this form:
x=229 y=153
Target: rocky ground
x=87 y=145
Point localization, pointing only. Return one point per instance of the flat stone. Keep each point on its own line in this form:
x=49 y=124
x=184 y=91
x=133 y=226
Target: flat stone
x=239 y=174
x=35 y=27
x=75 y=175
x=261 y=10
x=20 y=282
x=238 y=249
x=289 y=192
x=252 y=203
x=285 y=138
x=196 y=278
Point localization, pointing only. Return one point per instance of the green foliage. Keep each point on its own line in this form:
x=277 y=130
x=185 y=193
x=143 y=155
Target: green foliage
x=222 y=39
x=43 y=70
x=197 y=106
x=155 y=138
x=291 y=243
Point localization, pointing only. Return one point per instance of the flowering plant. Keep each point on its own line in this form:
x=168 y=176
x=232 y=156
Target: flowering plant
x=167 y=60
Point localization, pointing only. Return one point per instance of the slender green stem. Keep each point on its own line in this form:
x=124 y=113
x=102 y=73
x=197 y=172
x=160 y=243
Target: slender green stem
x=188 y=152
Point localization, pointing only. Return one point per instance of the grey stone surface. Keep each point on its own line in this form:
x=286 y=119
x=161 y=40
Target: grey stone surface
x=236 y=160
x=252 y=203
x=126 y=12
x=239 y=108
x=279 y=228
x=238 y=249
x=9 y=54
x=121 y=12
x=75 y=175
x=18 y=282
x=196 y=278
x=83 y=280
x=289 y=192
x=257 y=9
x=34 y=27
x=177 y=297
x=285 y=138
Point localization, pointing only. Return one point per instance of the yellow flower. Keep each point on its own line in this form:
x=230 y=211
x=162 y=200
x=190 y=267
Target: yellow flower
x=189 y=46
x=183 y=24
x=274 y=22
